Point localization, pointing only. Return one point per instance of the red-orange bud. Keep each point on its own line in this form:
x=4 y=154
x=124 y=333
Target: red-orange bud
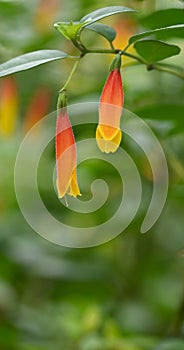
x=66 y=157
x=108 y=133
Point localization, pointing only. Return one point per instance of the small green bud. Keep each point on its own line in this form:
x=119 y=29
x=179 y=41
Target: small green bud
x=62 y=99
x=116 y=63
x=69 y=29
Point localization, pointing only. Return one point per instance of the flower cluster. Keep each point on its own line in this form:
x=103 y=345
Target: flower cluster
x=108 y=132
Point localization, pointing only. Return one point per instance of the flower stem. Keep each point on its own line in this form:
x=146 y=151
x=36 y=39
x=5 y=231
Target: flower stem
x=159 y=67
x=116 y=51
x=70 y=75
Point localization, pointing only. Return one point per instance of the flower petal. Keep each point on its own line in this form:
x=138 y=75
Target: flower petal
x=112 y=92
x=108 y=133
x=110 y=115
x=108 y=145
x=65 y=157
x=73 y=187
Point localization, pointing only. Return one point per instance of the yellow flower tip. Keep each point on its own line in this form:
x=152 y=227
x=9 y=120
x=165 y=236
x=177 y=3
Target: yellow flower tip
x=108 y=138
x=66 y=158
x=72 y=188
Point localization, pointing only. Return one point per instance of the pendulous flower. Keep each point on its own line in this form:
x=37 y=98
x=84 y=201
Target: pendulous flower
x=38 y=108
x=9 y=106
x=108 y=132
x=66 y=154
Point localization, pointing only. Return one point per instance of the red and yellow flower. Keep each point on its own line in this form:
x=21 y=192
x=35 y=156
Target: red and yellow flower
x=66 y=157
x=8 y=106
x=38 y=108
x=108 y=132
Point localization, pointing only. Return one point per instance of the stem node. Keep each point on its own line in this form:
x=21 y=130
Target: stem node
x=150 y=67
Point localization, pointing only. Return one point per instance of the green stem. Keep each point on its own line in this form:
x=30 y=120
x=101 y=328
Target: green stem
x=166 y=69
x=158 y=67
x=61 y=102
x=139 y=59
x=126 y=47
x=116 y=51
x=70 y=75
x=83 y=50
x=106 y=51
x=111 y=45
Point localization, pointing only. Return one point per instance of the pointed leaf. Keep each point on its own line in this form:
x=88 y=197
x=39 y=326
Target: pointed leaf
x=154 y=50
x=71 y=29
x=104 y=12
x=163 y=18
x=30 y=60
x=171 y=31
x=107 y=32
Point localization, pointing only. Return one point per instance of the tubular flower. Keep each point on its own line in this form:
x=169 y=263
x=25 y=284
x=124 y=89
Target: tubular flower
x=45 y=14
x=66 y=157
x=38 y=108
x=108 y=133
x=8 y=106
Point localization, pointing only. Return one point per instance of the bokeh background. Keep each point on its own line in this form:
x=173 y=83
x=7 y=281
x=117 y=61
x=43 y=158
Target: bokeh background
x=127 y=294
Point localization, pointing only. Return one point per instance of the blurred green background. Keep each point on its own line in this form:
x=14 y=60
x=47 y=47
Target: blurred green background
x=127 y=294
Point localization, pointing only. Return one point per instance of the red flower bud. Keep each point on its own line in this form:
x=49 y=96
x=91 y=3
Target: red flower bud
x=66 y=157
x=108 y=133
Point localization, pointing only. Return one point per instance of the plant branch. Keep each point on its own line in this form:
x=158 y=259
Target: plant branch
x=167 y=69
x=70 y=75
x=156 y=66
x=115 y=51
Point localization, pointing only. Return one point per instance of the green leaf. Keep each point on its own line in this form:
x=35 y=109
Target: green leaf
x=164 y=112
x=108 y=32
x=104 y=12
x=11 y=9
x=171 y=31
x=154 y=50
x=163 y=18
x=68 y=29
x=30 y=60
